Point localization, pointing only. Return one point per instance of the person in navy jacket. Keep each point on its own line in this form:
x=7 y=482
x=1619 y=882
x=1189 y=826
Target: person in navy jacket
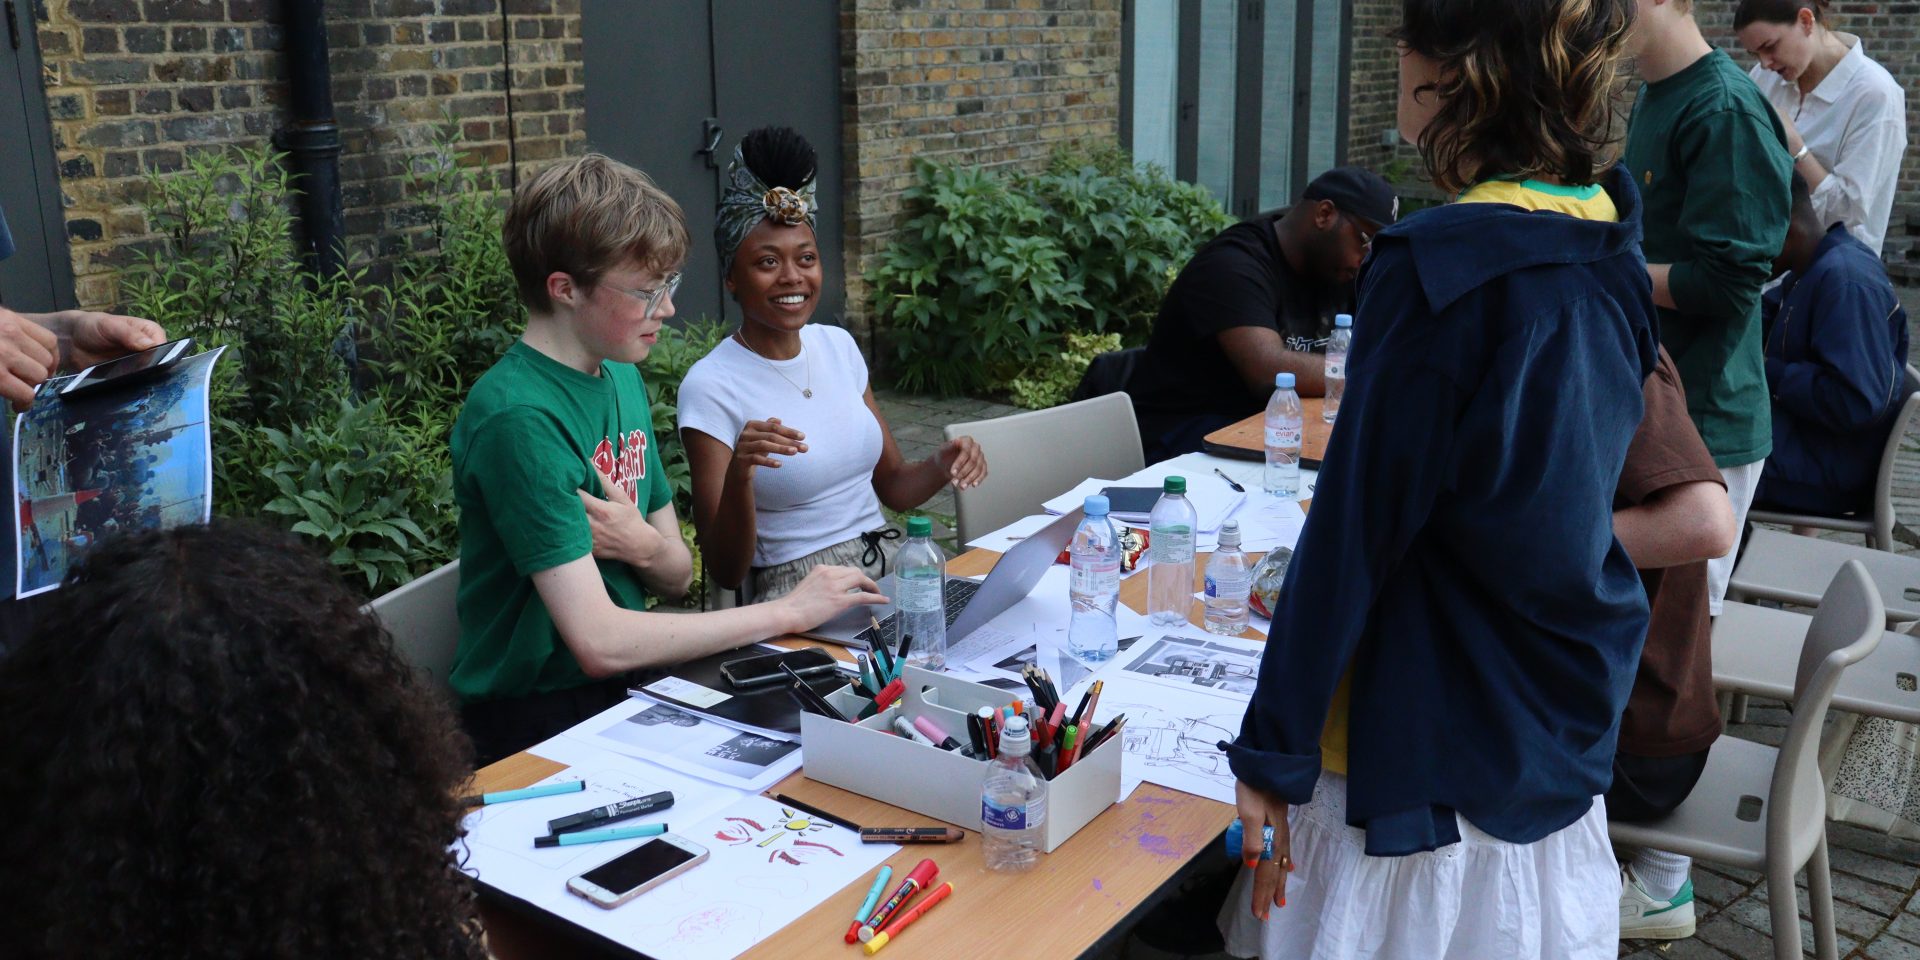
x=1836 y=363
x=1458 y=581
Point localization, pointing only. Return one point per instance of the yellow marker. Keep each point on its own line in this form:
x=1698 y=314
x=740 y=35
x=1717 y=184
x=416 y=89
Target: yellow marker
x=893 y=929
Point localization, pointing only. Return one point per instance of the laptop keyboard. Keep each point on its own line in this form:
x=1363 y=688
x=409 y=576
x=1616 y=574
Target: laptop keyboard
x=959 y=591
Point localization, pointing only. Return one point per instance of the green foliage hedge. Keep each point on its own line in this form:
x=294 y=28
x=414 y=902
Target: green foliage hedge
x=994 y=273
x=334 y=405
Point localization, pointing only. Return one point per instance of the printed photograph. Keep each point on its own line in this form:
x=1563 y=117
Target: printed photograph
x=1199 y=662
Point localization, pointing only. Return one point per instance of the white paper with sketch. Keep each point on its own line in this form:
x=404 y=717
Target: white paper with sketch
x=1228 y=665
x=690 y=743
x=767 y=866
x=1172 y=733
x=1003 y=539
x=499 y=851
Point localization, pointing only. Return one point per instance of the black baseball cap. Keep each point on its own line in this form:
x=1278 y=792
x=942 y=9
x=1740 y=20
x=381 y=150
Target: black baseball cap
x=1358 y=191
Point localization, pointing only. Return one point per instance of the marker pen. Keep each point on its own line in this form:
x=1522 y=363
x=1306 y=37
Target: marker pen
x=893 y=929
x=601 y=836
x=529 y=793
x=1236 y=838
x=912 y=834
x=940 y=738
x=867 y=905
x=906 y=730
x=893 y=691
x=923 y=874
x=612 y=812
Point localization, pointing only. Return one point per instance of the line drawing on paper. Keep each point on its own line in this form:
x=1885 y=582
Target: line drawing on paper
x=1199 y=662
x=1178 y=744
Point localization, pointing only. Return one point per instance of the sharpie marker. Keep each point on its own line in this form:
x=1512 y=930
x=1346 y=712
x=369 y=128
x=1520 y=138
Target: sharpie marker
x=612 y=812
x=934 y=733
x=506 y=796
x=1236 y=837
x=922 y=874
x=867 y=905
x=912 y=834
x=602 y=836
x=893 y=929
x=907 y=730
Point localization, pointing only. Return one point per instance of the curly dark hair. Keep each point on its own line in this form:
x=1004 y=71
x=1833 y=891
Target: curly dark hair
x=1529 y=87
x=213 y=752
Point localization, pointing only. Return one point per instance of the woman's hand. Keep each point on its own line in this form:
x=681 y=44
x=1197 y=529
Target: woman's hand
x=761 y=439
x=964 y=463
x=825 y=592
x=620 y=531
x=1258 y=811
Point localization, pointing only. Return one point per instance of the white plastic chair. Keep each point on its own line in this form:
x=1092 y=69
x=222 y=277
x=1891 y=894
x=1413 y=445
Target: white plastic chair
x=1754 y=649
x=1878 y=529
x=1789 y=568
x=1037 y=455
x=1762 y=808
x=424 y=621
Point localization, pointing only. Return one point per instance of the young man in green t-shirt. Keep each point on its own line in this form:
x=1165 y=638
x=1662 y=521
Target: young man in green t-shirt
x=1711 y=161
x=1710 y=158
x=567 y=522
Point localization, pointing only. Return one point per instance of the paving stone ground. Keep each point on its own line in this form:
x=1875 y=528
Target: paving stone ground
x=1875 y=876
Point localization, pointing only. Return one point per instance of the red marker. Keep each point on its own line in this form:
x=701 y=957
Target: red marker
x=916 y=881
x=890 y=694
x=893 y=929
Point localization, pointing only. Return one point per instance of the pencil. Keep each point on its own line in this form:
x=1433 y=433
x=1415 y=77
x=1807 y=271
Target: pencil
x=816 y=811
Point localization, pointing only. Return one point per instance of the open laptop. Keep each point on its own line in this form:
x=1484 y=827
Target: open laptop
x=970 y=603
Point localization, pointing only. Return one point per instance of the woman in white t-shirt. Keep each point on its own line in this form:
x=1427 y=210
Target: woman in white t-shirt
x=1845 y=115
x=790 y=456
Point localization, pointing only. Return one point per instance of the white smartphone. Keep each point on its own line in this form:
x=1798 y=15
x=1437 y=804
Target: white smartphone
x=638 y=870
x=131 y=367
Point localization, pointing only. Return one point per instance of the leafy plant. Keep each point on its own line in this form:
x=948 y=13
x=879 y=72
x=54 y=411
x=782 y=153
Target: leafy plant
x=1049 y=384
x=990 y=274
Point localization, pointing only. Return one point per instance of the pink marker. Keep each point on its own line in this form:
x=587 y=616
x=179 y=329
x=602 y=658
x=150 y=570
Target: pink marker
x=934 y=733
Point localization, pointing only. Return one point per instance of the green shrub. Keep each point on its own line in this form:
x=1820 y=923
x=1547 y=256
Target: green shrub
x=992 y=273
x=333 y=409
x=1050 y=383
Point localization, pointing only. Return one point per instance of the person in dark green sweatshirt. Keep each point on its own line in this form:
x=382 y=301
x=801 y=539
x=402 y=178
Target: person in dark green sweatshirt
x=1710 y=159
x=1709 y=156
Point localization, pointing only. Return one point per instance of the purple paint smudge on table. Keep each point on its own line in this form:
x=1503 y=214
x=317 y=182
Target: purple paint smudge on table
x=1142 y=798
x=1160 y=845
x=1096 y=884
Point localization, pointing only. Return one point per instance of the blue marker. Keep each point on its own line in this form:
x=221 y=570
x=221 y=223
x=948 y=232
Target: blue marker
x=601 y=836
x=1236 y=835
x=503 y=796
x=867 y=905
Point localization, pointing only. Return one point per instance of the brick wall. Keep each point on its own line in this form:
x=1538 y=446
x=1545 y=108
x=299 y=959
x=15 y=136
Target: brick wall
x=1891 y=31
x=132 y=85
x=984 y=82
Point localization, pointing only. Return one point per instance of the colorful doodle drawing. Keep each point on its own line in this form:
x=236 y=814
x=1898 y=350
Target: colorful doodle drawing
x=741 y=831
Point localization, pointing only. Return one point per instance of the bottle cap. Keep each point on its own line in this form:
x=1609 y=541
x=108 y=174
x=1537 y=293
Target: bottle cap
x=1343 y=319
x=1230 y=533
x=1283 y=381
x=1097 y=505
x=1174 y=485
x=919 y=527
x=1014 y=739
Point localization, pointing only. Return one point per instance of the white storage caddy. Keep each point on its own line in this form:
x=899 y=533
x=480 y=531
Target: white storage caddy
x=941 y=783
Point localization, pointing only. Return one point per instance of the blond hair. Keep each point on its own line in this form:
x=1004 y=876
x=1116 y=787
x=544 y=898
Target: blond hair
x=1528 y=87
x=586 y=216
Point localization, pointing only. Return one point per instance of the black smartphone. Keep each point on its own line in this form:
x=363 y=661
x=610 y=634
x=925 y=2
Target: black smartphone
x=129 y=368
x=764 y=669
x=638 y=870
x=1131 y=499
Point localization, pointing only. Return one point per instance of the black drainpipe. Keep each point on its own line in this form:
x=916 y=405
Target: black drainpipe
x=311 y=138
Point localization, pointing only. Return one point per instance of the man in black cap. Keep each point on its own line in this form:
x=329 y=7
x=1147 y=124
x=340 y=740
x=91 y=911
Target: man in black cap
x=1256 y=300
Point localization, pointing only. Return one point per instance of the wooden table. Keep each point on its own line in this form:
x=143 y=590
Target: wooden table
x=1246 y=440
x=1099 y=882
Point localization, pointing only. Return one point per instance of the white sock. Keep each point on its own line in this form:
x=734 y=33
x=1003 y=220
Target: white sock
x=1660 y=873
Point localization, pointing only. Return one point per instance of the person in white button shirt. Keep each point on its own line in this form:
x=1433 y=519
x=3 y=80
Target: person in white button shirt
x=790 y=456
x=1846 y=117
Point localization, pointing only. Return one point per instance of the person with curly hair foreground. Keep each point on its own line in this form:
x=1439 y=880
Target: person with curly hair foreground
x=213 y=752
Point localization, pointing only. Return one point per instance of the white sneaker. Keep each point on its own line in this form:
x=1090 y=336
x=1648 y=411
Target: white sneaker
x=1644 y=918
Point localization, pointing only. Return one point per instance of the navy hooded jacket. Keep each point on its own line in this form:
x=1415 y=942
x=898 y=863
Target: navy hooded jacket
x=1460 y=551
x=1836 y=362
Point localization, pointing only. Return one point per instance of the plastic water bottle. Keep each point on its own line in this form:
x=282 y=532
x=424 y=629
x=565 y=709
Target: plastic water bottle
x=920 y=591
x=1170 y=545
x=1229 y=579
x=1092 y=635
x=1283 y=439
x=1013 y=803
x=1337 y=365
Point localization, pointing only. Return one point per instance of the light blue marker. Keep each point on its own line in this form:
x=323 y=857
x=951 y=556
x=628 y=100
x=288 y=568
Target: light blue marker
x=867 y=905
x=529 y=793
x=602 y=836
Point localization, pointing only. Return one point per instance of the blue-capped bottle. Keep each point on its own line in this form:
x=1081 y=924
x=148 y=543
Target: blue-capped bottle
x=1337 y=348
x=1093 y=636
x=1282 y=476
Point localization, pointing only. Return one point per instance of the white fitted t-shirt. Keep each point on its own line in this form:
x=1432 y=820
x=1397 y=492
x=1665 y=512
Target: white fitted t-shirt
x=1855 y=123
x=815 y=499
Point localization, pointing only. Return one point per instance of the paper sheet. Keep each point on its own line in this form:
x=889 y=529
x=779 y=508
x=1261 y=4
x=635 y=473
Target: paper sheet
x=1003 y=539
x=1248 y=473
x=1213 y=500
x=690 y=744
x=1171 y=734
x=1225 y=664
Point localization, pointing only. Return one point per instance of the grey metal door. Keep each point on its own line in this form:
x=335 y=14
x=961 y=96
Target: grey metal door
x=38 y=277
x=671 y=87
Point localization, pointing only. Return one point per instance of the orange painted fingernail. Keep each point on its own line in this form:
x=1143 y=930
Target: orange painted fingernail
x=1283 y=900
x=1253 y=863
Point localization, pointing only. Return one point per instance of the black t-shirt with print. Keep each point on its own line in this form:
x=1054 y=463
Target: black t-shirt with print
x=1240 y=278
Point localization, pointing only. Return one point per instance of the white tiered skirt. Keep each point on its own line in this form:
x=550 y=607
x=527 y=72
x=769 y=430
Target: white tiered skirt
x=1480 y=899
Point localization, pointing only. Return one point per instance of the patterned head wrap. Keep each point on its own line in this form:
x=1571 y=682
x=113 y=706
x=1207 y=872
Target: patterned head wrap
x=747 y=201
